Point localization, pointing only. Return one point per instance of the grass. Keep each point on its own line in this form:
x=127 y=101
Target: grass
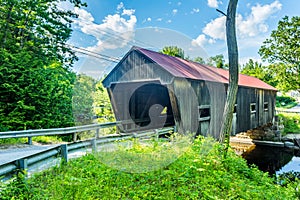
x=291 y=122
x=197 y=172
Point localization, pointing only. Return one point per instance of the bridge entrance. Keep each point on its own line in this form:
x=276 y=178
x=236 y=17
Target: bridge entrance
x=142 y=106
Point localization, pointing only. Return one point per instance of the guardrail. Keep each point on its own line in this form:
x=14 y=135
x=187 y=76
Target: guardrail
x=56 y=131
x=63 y=151
x=287 y=111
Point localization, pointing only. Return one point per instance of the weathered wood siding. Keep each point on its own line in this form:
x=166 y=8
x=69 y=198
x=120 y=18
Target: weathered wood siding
x=137 y=67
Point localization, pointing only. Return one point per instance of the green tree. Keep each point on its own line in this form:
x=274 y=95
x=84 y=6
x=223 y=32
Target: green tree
x=217 y=61
x=282 y=50
x=199 y=60
x=36 y=81
x=102 y=105
x=173 y=51
x=257 y=70
x=83 y=101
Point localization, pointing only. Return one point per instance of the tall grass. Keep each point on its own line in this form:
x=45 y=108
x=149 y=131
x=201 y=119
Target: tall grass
x=198 y=172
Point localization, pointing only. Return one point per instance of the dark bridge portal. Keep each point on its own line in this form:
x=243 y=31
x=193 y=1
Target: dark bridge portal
x=150 y=107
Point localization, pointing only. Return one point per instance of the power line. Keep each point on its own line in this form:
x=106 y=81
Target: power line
x=94 y=54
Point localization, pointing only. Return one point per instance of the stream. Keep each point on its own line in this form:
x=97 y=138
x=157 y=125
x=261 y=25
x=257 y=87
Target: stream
x=274 y=160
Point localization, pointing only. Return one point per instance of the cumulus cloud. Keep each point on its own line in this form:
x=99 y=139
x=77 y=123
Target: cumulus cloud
x=201 y=40
x=255 y=23
x=128 y=12
x=248 y=26
x=213 y=3
x=115 y=31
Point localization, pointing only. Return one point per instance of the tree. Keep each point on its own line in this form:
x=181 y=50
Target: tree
x=199 y=60
x=282 y=50
x=255 y=69
x=83 y=99
x=173 y=51
x=233 y=75
x=36 y=81
x=217 y=61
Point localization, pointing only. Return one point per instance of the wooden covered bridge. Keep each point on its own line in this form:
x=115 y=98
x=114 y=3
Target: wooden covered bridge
x=152 y=90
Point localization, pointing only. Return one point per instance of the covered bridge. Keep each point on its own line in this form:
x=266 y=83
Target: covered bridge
x=152 y=90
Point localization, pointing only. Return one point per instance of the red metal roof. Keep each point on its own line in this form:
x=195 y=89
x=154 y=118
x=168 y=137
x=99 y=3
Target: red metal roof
x=187 y=69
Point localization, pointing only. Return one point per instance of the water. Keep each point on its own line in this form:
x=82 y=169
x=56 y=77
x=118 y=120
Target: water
x=273 y=159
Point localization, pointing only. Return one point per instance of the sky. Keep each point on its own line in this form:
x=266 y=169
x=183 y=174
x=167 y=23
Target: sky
x=111 y=27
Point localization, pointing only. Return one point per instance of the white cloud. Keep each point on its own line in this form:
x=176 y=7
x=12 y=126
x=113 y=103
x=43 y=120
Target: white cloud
x=216 y=28
x=159 y=19
x=213 y=3
x=128 y=12
x=201 y=40
x=195 y=10
x=174 y=11
x=149 y=19
x=250 y=26
x=169 y=21
x=114 y=31
x=255 y=23
x=179 y=3
x=120 y=6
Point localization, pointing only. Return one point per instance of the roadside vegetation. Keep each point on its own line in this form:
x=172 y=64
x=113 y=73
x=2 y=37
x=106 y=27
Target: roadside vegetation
x=291 y=122
x=285 y=102
x=200 y=172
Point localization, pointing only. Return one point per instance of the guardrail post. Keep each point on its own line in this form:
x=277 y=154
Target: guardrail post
x=97 y=133
x=64 y=152
x=94 y=145
x=74 y=137
x=30 y=140
x=23 y=166
x=175 y=129
x=156 y=131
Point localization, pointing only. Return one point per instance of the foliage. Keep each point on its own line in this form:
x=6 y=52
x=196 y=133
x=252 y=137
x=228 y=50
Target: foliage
x=217 y=61
x=83 y=92
x=291 y=122
x=199 y=173
x=259 y=71
x=35 y=80
x=199 y=60
x=285 y=102
x=282 y=49
x=173 y=51
x=102 y=105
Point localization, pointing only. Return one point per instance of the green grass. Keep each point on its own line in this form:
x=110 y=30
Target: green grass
x=291 y=122
x=199 y=172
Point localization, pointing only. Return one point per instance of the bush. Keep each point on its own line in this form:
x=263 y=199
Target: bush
x=285 y=102
x=291 y=122
x=199 y=173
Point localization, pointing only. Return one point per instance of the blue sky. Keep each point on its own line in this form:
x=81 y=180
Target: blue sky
x=111 y=27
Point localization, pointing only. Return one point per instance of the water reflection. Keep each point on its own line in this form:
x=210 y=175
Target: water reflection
x=273 y=159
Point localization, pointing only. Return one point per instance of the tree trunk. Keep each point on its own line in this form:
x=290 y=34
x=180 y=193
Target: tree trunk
x=233 y=74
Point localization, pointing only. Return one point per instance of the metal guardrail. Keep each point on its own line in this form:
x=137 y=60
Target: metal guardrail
x=63 y=151
x=55 y=131
x=287 y=111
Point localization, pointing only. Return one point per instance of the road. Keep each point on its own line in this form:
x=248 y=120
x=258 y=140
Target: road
x=11 y=154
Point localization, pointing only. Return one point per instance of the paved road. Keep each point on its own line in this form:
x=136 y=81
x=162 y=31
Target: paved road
x=295 y=109
x=11 y=154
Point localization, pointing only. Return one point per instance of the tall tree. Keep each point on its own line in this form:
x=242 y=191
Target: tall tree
x=282 y=49
x=173 y=51
x=233 y=74
x=36 y=81
x=199 y=60
x=217 y=61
